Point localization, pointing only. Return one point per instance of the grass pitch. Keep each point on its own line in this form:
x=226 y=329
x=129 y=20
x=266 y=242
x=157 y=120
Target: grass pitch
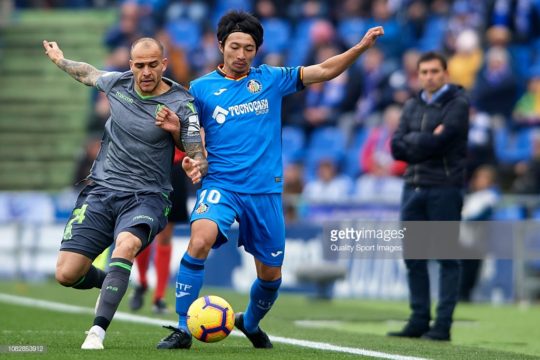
x=480 y=331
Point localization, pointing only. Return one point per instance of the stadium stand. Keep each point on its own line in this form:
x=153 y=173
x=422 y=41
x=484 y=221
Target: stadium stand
x=44 y=112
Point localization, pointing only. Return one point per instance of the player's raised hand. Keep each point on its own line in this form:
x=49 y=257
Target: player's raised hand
x=168 y=120
x=371 y=36
x=53 y=51
x=192 y=169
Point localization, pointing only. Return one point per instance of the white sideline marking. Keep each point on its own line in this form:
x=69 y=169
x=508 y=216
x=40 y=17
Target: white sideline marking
x=123 y=316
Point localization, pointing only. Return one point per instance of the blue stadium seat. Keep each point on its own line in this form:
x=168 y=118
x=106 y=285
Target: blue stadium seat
x=522 y=57
x=155 y=5
x=184 y=32
x=512 y=146
x=353 y=167
x=293 y=140
x=327 y=142
x=277 y=34
x=351 y=30
x=223 y=6
x=300 y=43
x=434 y=36
x=509 y=213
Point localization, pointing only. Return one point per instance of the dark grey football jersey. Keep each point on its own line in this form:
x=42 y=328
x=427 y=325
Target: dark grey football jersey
x=136 y=155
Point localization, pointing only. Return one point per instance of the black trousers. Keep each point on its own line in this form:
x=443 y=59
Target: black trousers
x=432 y=204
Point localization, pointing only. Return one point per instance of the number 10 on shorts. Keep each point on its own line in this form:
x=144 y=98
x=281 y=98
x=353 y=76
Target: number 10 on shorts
x=213 y=197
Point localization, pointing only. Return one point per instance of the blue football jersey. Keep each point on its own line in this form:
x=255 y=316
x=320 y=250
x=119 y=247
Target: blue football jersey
x=242 y=125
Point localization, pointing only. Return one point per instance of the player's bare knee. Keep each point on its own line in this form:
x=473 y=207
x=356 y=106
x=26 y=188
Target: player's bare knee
x=127 y=246
x=64 y=277
x=127 y=250
x=199 y=247
x=269 y=273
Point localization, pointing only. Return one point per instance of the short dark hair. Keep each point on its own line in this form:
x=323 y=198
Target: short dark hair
x=147 y=39
x=432 y=55
x=240 y=21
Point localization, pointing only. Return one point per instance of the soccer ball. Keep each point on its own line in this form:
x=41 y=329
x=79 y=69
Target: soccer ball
x=210 y=318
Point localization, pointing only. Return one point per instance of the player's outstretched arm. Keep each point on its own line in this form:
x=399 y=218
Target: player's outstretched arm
x=82 y=72
x=332 y=67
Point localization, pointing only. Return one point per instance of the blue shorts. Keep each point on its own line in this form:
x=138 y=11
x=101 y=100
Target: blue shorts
x=260 y=216
x=100 y=214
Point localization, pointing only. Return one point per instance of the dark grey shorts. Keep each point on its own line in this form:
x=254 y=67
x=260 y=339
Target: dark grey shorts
x=100 y=214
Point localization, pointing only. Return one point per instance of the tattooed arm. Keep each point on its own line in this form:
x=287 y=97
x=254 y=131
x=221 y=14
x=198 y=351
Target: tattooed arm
x=187 y=138
x=190 y=133
x=195 y=151
x=82 y=72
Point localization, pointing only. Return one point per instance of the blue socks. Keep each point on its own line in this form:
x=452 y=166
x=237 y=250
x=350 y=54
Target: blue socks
x=262 y=297
x=189 y=282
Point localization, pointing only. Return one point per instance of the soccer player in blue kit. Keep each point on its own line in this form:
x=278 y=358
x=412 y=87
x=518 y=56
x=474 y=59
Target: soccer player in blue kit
x=240 y=111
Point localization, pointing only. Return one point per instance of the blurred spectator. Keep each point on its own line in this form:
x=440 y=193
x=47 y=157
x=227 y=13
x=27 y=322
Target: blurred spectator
x=265 y=9
x=277 y=30
x=100 y=114
x=465 y=15
x=322 y=100
x=152 y=15
x=86 y=160
x=128 y=28
x=206 y=57
x=178 y=67
x=293 y=186
x=118 y=59
x=521 y=17
x=391 y=43
x=528 y=172
x=322 y=34
x=521 y=55
x=527 y=109
x=329 y=186
x=274 y=59
x=495 y=89
x=478 y=205
x=416 y=15
x=435 y=27
x=480 y=146
x=348 y=9
x=464 y=64
x=403 y=82
x=381 y=181
x=483 y=195
x=376 y=155
x=373 y=80
x=196 y=10
x=293 y=181
x=306 y=9
x=498 y=35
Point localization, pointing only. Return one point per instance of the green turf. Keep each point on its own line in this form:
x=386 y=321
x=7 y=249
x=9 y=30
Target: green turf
x=480 y=332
